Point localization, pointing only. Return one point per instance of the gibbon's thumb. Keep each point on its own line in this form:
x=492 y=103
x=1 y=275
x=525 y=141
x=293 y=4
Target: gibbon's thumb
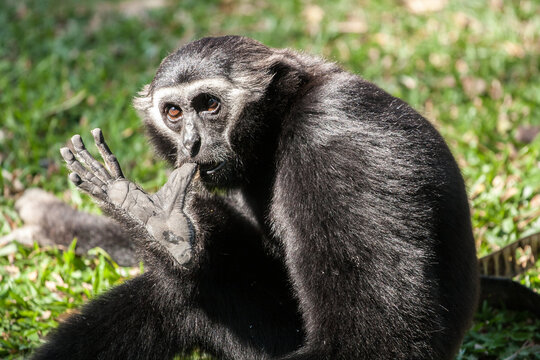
x=180 y=179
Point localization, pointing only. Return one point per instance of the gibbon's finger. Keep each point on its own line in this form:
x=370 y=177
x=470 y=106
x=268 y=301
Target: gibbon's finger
x=88 y=187
x=75 y=166
x=107 y=155
x=97 y=167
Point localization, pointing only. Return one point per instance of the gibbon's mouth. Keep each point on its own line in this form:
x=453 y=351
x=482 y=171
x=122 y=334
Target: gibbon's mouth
x=211 y=168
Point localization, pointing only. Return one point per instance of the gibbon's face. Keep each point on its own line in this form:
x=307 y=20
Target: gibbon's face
x=193 y=107
x=195 y=120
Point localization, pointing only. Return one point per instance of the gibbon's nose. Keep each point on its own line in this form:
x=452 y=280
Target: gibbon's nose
x=191 y=139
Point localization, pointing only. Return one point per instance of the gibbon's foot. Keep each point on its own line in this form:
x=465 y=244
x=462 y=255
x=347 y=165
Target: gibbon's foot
x=157 y=217
x=49 y=221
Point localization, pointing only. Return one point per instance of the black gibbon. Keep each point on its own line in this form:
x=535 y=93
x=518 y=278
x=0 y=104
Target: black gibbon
x=340 y=230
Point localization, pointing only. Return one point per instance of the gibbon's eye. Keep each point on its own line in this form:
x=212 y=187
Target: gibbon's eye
x=212 y=104
x=174 y=114
x=205 y=104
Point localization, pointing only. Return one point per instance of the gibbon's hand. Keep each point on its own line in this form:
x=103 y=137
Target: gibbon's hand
x=158 y=217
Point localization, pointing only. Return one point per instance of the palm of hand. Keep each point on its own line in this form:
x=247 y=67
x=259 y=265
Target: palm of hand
x=160 y=216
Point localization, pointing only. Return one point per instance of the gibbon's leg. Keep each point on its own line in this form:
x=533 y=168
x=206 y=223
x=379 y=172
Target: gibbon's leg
x=156 y=317
x=49 y=221
x=127 y=322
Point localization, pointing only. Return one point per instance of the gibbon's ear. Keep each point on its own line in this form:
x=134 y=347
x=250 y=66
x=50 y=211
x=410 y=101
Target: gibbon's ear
x=287 y=74
x=143 y=101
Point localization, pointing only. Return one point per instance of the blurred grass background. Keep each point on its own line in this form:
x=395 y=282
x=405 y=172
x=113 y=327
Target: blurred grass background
x=67 y=66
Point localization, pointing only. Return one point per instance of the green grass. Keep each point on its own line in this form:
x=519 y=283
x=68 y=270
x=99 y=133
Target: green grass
x=38 y=287
x=66 y=67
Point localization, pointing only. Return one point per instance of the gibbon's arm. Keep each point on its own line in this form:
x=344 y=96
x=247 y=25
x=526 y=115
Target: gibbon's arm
x=222 y=292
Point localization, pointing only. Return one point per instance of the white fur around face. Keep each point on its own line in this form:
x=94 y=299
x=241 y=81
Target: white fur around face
x=234 y=98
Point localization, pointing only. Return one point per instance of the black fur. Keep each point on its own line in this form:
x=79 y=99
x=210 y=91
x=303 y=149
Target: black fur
x=344 y=234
